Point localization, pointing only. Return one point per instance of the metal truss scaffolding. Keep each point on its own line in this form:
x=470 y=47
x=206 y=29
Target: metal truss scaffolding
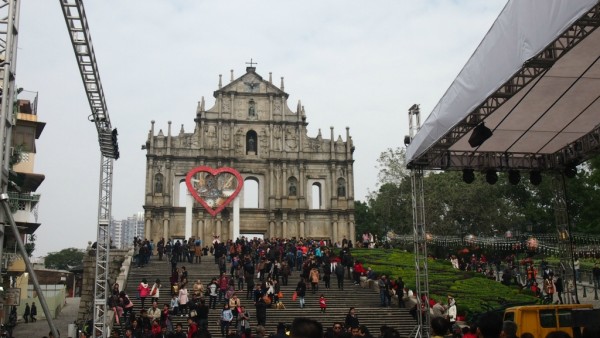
x=565 y=240
x=79 y=33
x=420 y=235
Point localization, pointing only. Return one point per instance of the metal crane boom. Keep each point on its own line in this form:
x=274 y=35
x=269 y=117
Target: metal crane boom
x=79 y=34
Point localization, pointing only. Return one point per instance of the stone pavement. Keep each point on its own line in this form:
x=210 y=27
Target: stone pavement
x=40 y=328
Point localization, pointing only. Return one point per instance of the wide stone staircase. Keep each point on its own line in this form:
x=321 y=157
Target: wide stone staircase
x=365 y=300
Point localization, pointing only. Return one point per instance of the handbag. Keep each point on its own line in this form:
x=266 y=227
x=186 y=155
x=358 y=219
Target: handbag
x=279 y=294
x=193 y=313
x=295 y=295
x=267 y=300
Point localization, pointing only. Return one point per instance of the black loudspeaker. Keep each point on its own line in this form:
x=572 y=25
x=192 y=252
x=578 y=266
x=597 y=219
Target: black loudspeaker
x=479 y=135
x=514 y=177
x=535 y=177
x=468 y=176
x=491 y=176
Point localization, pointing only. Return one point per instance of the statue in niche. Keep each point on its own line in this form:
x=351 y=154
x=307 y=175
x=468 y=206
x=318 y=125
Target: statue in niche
x=252 y=109
x=292 y=188
x=158 y=184
x=251 y=144
x=341 y=189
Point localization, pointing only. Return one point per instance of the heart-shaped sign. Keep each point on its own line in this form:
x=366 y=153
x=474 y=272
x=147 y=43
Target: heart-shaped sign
x=214 y=188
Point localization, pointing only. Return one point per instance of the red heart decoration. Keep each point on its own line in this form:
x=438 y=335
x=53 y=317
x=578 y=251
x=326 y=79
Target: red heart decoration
x=214 y=188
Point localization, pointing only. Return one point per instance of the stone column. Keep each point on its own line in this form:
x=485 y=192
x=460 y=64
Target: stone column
x=148 y=228
x=350 y=192
x=271 y=228
x=301 y=227
x=219 y=230
x=166 y=229
x=200 y=231
x=284 y=225
x=352 y=231
x=283 y=179
x=335 y=231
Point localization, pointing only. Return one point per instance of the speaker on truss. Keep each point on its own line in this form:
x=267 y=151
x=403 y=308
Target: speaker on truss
x=480 y=134
x=535 y=177
x=491 y=176
x=514 y=177
x=468 y=175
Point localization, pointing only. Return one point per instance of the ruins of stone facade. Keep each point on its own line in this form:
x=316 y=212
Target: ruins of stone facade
x=305 y=184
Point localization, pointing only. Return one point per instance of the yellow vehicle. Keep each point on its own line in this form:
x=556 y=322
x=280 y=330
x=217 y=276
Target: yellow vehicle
x=540 y=320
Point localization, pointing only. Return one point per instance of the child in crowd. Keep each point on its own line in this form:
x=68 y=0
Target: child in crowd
x=323 y=303
x=174 y=305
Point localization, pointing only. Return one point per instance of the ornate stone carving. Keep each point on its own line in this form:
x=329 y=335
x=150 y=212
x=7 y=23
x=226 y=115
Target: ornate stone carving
x=211 y=137
x=290 y=138
x=226 y=137
x=277 y=137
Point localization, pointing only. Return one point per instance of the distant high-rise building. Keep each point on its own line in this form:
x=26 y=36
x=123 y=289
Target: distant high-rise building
x=123 y=231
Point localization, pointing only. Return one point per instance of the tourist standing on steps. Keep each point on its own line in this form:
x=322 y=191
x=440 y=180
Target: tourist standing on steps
x=226 y=318
x=339 y=274
x=183 y=300
x=26 y=313
x=314 y=279
x=155 y=290
x=351 y=319
x=212 y=294
x=261 y=311
x=143 y=291
x=33 y=312
x=301 y=292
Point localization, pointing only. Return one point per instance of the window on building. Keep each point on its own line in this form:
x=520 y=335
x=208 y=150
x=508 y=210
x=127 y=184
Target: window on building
x=251 y=193
x=316 y=196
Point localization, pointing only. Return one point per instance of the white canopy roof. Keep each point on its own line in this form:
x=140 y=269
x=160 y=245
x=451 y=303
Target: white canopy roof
x=534 y=80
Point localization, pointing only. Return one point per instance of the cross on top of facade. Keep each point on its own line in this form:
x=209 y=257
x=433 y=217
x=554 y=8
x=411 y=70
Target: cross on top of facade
x=251 y=63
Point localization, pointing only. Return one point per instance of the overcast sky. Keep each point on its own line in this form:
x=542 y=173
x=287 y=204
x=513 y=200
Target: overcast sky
x=360 y=64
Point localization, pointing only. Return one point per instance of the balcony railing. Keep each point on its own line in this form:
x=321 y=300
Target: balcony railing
x=19 y=201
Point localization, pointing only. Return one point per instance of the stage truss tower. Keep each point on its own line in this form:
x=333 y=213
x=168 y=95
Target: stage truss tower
x=419 y=232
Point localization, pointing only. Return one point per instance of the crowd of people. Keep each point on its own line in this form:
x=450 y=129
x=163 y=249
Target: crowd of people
x=252 y=271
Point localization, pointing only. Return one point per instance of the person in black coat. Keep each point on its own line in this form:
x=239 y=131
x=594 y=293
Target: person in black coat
x=33 y=312
x=27 y=313
x=301 y=292
x=261 y=312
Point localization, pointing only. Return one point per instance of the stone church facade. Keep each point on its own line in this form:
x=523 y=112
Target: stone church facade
x=301 y=186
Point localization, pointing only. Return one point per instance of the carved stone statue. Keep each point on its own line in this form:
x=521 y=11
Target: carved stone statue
x=251 y=144
x=341 y=189
x=252 y=109
x=158 y=184
x=292 y=188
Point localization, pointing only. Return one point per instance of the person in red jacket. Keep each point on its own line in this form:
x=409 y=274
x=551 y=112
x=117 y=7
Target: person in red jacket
x=144 y=291
x=359 y=270
x=192 y=327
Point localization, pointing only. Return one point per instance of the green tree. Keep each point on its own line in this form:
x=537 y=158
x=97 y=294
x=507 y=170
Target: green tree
x=64 y=259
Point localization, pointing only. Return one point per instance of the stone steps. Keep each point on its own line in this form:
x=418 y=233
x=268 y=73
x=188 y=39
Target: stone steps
x=365 y=300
